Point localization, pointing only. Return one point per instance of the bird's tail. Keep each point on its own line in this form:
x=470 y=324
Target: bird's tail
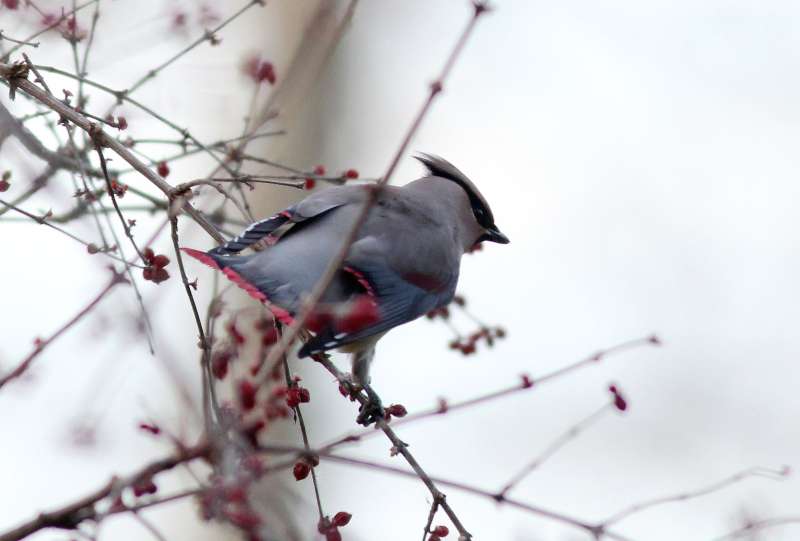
x=226 y=265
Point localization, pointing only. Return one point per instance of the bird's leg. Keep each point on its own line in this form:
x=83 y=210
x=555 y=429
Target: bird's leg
x=372 y=410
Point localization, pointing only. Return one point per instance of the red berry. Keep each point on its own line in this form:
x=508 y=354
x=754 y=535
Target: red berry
x=397 y=410
x=219 y=363
x=441 y=531
x=153 y=429
x=269 y=337
x=122 y=123
x=351 y=173
x=11 y=4
x=243 y=518
x=234 y=333
x=4 y=185
x=251 y=432
x=619 y=401
x=163 y=169
x=144 y=486
x=160 y=261
x=266 y=72
x=297 y=395
x=527 y=382
x=301 y=470
x=342 y=518
x=319 y=170
x=247 y=394
x=310 y=184
x=159 y=275
x=333 y=535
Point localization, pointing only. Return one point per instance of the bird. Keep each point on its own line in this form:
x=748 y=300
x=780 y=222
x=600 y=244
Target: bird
x=403 y=262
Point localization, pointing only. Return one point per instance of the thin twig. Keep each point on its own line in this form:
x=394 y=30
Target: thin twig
x=71 y=515
x=208 y=35
x=44 y=221
x=757 y=526
x=10 y=74
x=768 y=473
x=125 y=226
x=49 y=27
x=554 y=446
x=33 y=44
x=42 y=344
x=400 y=447
x=525 y=384
x=304 y=433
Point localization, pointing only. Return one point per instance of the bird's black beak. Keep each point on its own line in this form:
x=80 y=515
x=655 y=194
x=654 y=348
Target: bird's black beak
x=494 y=235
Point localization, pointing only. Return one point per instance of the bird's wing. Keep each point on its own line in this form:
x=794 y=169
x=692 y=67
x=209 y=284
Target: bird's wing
x=311 y=207
x=398 y=300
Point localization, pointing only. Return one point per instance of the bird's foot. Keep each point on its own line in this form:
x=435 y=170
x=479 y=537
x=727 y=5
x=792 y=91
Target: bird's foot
x=371 y=410
x=349 y=385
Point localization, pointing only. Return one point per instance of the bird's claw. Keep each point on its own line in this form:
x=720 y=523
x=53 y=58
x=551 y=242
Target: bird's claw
x=371 y=410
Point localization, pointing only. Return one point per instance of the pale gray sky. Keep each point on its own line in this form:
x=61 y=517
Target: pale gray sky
x=642 y=159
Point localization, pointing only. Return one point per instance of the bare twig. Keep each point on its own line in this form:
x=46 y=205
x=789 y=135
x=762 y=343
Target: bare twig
x=3 y=36
x=44 y=221
x=400 y=447
x=110 y=189
x=554 y=446
x=767 y=473
x=71 y=515
x=64 y=16
x=11 y=75
x=304 y=433
x=752 y=527
x=526 y=383
x=208 y=35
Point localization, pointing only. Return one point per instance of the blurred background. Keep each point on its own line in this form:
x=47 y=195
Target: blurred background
x=642 y=159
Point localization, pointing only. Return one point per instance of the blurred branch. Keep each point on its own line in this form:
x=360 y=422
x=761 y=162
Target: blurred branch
x=16 y=78
x=42 y=344
x=767 y=473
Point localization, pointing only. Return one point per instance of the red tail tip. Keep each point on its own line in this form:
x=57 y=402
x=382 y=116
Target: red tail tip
x=202 y=257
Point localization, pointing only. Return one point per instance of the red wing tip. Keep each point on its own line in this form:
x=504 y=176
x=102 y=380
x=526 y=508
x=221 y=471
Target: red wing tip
x=202 y=257
x=283 y=316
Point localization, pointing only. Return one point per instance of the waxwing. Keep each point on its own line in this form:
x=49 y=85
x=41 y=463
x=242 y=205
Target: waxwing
x=405 y=259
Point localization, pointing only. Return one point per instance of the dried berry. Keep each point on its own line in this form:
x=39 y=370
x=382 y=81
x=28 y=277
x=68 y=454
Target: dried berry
x=247 y=394
x=301 y=470
x=163 y=169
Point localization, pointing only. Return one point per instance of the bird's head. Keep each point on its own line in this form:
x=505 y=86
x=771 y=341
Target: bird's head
x=440 y=167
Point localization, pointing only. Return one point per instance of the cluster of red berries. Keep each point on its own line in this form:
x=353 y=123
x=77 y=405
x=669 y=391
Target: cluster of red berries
x=438 y=532
x=118 y=188
x=319 y=170
x=155 y=271
x=230 y=501
x=468 y=345
x=144 y=486
x=260 y=70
